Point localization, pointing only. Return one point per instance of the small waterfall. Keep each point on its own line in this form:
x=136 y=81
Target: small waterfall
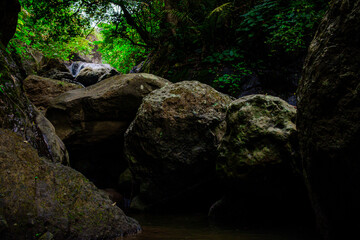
x=76 y=67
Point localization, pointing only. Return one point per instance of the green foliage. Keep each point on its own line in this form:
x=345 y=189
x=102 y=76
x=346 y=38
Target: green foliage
x=283 y=26
x=290 y=29
x=119 y=52
x=228 y=55
x=2 y=88
x=215 y=34
x=39 y=36
x=231 y=82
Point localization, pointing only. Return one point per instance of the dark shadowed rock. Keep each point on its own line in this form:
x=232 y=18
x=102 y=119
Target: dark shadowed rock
x=42 y=90
x=329 y=121
x=9 y=10
x=54 y=144
x=55 y=69
x=256 y=159
x=108 y=74
x=58 y=75
x=171 y=144
x=92 y=121
x=38 y=196
x=16 y=111
x=47 y=65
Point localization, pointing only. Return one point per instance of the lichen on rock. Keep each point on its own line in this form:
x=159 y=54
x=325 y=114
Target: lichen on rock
x=260 y=132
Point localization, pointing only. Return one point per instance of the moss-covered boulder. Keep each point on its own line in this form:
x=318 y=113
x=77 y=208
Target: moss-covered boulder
x=42 y=90
x=256 y=164
x=19 y=114
x=92 y=121
x=38 y=197
x=171 y=144
x=16 y=111
x=329 y=121
x=260 y=133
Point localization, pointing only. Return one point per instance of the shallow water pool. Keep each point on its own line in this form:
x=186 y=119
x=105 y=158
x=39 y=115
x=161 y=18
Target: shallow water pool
x=197 y=227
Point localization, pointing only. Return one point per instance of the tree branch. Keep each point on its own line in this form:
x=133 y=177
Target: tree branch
x=145 y=36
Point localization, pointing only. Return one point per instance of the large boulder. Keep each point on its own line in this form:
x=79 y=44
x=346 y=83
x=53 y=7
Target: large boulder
x=42 y=90
x=42 y=198
x=92 y=121
x=16 y=111
x=328 y=121
x=9 y=10
x=257 y=156
x=39 y=198
x=54 y=69
x=261 y=133
x=49 y=64
x=58 y=75
x=86 y=114
x=171 y=144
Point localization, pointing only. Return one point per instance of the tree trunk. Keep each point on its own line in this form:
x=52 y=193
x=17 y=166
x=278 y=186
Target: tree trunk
x=170 y=18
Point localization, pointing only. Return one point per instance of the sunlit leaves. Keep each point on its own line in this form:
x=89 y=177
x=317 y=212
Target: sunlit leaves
x=120 y=52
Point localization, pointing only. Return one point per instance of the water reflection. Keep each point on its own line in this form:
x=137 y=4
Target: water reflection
x=197 y=227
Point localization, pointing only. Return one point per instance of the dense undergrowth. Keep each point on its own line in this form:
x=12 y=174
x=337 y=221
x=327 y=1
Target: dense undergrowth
x=222 y=43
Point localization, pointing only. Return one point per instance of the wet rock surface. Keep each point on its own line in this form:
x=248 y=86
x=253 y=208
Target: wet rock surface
x=171 y=144
x=90 y=73
x=328 y=121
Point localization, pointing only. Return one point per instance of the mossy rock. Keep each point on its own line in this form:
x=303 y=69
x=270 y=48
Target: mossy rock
x=39 y=196
x=260 y=133
x=171 y=144
x=16 y=111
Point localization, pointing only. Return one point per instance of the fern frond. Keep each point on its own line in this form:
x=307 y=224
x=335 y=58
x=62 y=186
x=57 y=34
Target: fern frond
x=221 y=9
x=180 y=16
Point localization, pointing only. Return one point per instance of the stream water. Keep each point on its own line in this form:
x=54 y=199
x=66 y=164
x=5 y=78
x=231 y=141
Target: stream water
x=76 y=67
x=197 y=227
